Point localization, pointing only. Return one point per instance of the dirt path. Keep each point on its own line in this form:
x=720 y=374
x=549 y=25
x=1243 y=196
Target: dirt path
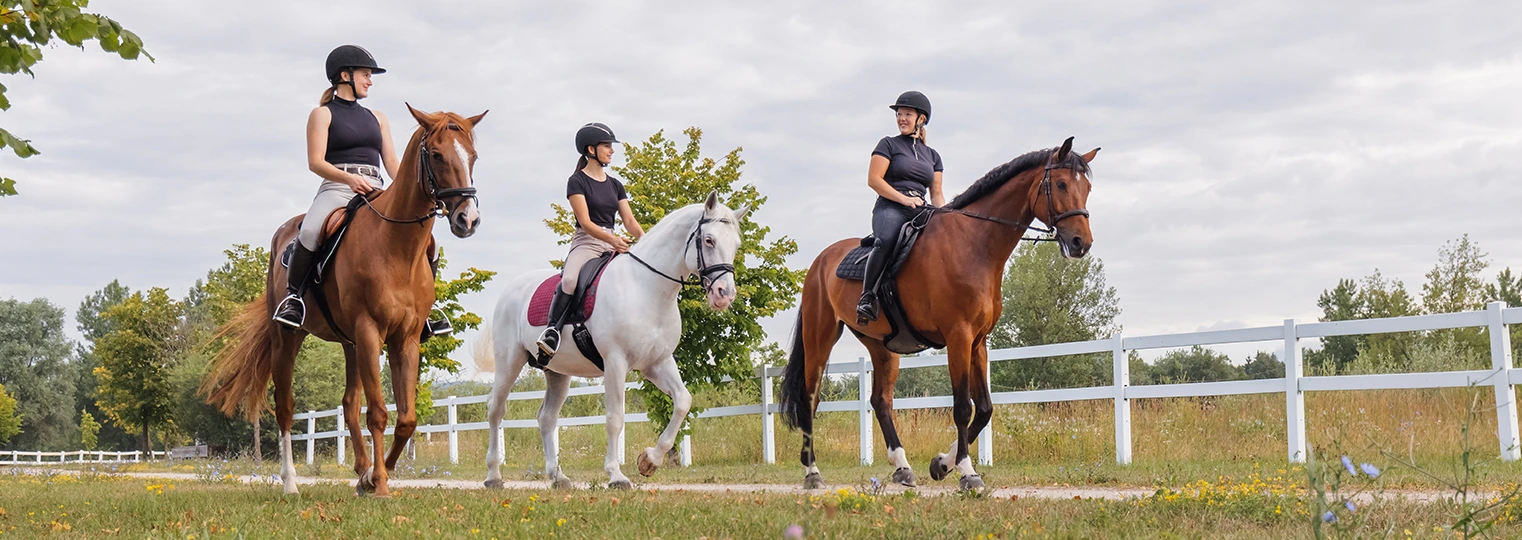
x=1003 y=492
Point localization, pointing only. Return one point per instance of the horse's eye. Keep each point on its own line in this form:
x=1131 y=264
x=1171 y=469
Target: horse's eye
x=708 y=241
x=438 y=156
x=1062 y=186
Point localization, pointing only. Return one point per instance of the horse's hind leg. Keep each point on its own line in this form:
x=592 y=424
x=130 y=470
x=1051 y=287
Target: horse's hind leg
x=287 y=344
x=666 y=377
x=510 y=361
x=884 y=375
x=820 y=330
x=556 y=388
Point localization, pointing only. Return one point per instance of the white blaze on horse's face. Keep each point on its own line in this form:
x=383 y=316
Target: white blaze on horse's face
x=720 y=242
x=465 y=217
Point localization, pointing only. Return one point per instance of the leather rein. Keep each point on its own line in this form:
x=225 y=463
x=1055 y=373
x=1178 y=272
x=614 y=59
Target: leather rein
x=432 y=190
x=1051 y=208
x=707 y=273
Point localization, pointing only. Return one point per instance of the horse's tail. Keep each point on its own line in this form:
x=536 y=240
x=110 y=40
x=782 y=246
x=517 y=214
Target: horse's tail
x=484 y=351
x=795 y=402
x=240 y=373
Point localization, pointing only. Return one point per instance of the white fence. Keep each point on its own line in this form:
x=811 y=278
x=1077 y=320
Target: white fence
x=8 y=457
x=1495 y=318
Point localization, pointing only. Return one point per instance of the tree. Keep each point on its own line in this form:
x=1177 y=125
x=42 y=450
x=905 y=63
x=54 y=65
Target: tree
x=1375 y=296
x=1338 y=304
x=1454 y=284
x=1508 y=289
x=660 y=178
x=88 y=430
x=10 y=422
x=136 y=359
x=1264 y=365
x=34 y=365
x=1195 y=364
x=92 y=324
x=26 y=26
x=1049 y=298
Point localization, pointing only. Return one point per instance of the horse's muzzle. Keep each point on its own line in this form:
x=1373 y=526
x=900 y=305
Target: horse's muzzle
x=464 y=219
x=721 y=293
x=1074 y=246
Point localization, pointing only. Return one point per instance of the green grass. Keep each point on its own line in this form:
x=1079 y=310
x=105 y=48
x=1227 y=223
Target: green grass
x=92 y=507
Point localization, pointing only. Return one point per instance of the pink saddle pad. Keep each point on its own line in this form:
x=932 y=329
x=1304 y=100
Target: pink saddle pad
x=539 y=306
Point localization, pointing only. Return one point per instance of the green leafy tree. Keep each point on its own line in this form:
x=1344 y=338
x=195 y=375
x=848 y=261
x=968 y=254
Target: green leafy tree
x=89 y=429
x=34 y=365
x=1264 y=365
x=662 y=176
x=1195 y=364
x=1508 y=289
x=136 y=359
x=26 y=26
x=1374 y=296
x=10 y=422
x=1340 y=303
x=92 y=324
x=1455 y=284
x=1052 y=299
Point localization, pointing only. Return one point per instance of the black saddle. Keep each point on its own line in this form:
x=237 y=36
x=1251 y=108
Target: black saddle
x=902 y=337
x=582 y=302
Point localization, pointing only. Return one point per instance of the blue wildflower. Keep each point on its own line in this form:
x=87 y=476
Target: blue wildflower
x=875 y=483
x=1329 y=517
x=1347 y=463
x=1370 y=469
x=1349 y=506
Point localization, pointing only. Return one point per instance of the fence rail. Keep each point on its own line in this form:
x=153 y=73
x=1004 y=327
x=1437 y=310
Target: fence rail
x=9 y=457
x=1495 y=318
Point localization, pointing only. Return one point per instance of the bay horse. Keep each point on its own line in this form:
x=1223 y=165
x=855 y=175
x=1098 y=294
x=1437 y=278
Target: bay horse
x=950 y=293
x=381 y=290
x=636 y=326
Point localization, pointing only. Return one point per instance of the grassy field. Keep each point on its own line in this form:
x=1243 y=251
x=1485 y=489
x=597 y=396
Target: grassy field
x=100 y=506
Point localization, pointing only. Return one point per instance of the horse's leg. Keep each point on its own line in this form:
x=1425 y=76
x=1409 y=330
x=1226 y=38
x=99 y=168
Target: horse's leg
x=959 y=355
x=403 y=356
x=367 y=363
x=983 y=410
x=510 y=361
x=613 y=403
x=287 y=344
x=668 y=378
x=557 y=387
x=351 y=401
x=820 y=330
x=884 y=374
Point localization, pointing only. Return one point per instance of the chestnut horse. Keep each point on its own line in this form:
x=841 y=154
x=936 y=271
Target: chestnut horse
x=380 y=289
x=950 y=292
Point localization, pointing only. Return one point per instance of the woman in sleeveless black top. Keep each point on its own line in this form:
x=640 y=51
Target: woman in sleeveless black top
x=347 y=144
x=903 y=171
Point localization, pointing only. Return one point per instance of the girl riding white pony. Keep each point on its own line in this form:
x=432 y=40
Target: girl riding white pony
x=636 y=326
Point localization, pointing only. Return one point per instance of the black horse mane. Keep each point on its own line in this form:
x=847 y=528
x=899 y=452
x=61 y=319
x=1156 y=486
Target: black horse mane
x=999 y=175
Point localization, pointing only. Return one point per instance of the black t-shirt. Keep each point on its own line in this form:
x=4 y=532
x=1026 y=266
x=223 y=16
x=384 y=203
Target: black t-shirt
x=911 y=164
x=354 y=134
x=602 y=197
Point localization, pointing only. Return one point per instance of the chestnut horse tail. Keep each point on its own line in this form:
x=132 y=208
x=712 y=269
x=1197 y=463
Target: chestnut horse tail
x=240 y=373
x=795 y=400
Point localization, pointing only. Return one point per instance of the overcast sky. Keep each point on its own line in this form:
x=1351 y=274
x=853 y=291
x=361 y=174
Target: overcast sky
x=1254 y=152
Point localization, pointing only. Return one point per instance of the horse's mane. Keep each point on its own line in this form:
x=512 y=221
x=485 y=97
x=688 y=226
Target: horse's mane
x=999 y=175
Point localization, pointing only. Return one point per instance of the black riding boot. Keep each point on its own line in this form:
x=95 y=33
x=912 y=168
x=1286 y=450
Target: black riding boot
x=549 y=341
x=866 y=308
x=436 y=326
x=292 y=311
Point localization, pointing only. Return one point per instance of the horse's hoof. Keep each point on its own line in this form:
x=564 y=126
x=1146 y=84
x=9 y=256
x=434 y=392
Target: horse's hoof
x=674 y=456
x=620 y=485
x=646 y=466
x=494 y=484
x=904 y=477
x=562 y=483
x=813 y=481
x=972 y=482
x=938 y=471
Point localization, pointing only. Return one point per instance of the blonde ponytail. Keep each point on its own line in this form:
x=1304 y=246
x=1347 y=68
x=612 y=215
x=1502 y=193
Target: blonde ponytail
x=327 y=96
x=919 y=130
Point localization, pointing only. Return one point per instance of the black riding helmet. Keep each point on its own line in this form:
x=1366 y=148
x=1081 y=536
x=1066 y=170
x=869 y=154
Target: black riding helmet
x=913 y=100
x=593 y=134
x=347 y=58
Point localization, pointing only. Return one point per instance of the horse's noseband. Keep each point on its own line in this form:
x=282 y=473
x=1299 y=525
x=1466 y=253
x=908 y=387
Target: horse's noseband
x=425 y=156
x=707 y=273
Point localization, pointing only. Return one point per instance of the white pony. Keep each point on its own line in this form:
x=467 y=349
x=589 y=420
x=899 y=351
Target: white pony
x=636 y=326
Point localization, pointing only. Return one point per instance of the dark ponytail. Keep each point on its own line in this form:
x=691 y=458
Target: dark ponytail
x=580 y=164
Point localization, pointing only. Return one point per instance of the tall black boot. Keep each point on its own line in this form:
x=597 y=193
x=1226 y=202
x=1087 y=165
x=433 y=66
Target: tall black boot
x=438 y=321
x=292 y=311
x=866 y=308
x=549 y=341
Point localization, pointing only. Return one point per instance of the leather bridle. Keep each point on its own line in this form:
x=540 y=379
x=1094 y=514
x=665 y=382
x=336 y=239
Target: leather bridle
x=707 y=273
x=1045 y=189
x=430 y=187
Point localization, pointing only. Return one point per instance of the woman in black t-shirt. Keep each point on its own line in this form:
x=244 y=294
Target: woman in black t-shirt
x=596 y=199
x=903 y=171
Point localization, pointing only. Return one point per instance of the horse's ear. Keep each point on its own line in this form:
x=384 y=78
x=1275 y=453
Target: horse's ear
x=1090 y=156
x=423 y=119
x=1067 y=146
x=477 y=118
x=740 y=214
x=713 y=201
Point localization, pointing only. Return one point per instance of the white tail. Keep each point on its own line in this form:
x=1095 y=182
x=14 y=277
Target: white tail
x=486 y=361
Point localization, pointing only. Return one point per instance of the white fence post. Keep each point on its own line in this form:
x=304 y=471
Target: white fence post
x=1122 y=403
x=311 y=435
x=1294 y=399
x=864 y=407
x=454 y=434
x=986 y=437
x=338 y=426
x=686 y=452
x=768 y=430
x=1506 y=404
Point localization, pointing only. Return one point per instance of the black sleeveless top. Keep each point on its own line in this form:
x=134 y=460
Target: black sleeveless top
x=354 y=136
